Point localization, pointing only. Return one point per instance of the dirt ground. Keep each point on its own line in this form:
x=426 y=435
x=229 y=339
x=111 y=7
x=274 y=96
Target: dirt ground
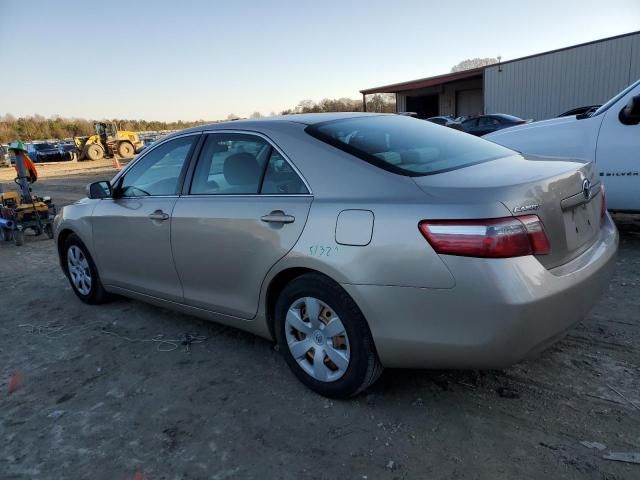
x=89 y=402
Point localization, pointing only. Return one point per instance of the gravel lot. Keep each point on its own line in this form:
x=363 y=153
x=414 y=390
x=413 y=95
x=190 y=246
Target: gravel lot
x=89 y=403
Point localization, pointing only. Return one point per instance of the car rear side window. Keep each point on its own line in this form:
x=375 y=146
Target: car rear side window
x=280 y=178
x=406 y=146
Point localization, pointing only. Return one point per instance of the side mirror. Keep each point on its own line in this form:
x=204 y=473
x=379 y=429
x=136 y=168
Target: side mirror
x=97 y=190
x=630 y=115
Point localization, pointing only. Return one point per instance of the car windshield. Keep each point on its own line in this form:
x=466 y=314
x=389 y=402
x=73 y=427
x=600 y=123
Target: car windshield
x=406 y=146
x=607 y=105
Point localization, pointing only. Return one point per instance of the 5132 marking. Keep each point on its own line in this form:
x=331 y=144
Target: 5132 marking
x=322 y=250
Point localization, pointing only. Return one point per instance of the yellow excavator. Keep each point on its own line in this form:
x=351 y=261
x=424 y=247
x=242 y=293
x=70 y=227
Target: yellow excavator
x=108 y=142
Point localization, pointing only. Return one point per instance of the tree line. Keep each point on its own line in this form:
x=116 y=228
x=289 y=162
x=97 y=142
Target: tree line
x=37 y=127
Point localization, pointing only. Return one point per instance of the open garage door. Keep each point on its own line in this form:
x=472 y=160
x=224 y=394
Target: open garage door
x=469 y=102
x=424 y=105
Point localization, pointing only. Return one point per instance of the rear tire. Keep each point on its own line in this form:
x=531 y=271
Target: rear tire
x=94 y=152
x=82 y=272
x=126 y=150
x=314 y=296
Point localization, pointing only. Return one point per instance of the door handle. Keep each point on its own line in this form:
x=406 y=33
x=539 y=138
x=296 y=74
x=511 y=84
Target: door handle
x=159 y=215
x=278 y=216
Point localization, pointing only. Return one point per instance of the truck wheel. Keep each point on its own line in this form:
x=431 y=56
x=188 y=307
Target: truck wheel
x=18 y=237
x=94 y=152
x=126 y=150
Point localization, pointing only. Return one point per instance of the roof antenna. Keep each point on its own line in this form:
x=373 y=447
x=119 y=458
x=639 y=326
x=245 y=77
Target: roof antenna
x=499 y=64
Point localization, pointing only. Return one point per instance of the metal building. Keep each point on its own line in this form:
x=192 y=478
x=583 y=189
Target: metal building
x=538 y=86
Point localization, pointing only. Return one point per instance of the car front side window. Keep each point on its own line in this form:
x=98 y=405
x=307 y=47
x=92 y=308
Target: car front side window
x=230 y=164
x=158 y=172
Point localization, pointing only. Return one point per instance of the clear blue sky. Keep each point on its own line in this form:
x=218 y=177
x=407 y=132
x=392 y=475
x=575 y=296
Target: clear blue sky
x=170 y=60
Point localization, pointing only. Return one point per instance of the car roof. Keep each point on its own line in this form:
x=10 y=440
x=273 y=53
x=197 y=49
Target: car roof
x=300 y=118
x=506 y=116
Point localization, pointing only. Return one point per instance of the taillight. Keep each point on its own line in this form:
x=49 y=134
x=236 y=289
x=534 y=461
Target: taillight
x=491 y=238
x=603 y=205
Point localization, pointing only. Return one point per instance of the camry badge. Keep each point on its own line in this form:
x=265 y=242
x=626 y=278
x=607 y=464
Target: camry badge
x=524 y=208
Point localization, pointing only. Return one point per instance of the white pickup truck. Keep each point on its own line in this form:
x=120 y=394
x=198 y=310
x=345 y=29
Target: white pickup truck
x=610 y=136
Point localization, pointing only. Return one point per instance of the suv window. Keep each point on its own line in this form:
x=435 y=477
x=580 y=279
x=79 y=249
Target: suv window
x=158 y=172
x=230 y=164
x=280 y=177
x=406 y=146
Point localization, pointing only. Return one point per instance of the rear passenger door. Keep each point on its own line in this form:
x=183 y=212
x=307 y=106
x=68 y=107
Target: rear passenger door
x=244 y=209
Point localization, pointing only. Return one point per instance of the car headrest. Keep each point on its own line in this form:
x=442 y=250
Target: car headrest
x=370 y=144
x=241 y=169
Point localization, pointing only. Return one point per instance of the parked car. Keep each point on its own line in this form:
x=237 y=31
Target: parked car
x=357 y=241
x=610 y=137
x=580 y=111
x=446 y=122
x=484 y=124
x=68 y=151
x=46 y=152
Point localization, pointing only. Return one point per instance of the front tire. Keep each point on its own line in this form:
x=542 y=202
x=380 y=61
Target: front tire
x=325 y=338
x=94 y=152
x=82 y=272
x=126 y=150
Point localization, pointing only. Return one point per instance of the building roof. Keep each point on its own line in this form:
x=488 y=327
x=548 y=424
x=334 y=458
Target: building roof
x=476 y=72
x=425 y=82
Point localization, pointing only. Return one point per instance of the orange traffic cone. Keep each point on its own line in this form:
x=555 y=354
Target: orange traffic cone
x=116 y=163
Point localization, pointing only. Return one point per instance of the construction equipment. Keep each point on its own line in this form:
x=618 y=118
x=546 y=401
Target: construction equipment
x=108 y=142
x=22 y=210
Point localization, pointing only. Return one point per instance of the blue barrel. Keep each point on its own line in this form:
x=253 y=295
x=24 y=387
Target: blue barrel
x=6 y=223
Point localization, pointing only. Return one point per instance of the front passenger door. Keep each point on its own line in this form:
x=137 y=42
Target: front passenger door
x=618 y=158
x=245 y=210
x=132 y=232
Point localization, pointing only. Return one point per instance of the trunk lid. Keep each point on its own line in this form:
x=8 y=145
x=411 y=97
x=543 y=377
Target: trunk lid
x=553 y=189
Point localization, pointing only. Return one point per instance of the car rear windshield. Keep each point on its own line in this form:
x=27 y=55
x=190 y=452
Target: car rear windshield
x=406 y=146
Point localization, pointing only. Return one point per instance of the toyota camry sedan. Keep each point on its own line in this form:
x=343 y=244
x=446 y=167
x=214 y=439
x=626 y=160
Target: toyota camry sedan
x=356 y=241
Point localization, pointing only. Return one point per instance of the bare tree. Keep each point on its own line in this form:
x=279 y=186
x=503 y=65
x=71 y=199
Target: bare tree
x=255 y=115
x=232 y=116
x=471 y=63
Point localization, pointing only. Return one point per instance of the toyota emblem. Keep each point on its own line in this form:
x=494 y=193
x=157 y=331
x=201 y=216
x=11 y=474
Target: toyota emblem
x=586 y=188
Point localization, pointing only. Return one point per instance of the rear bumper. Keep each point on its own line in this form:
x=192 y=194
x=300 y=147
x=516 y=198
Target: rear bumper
x=499 y=312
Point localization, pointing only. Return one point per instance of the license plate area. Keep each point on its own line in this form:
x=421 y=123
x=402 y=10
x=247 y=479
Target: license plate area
x=581 y=224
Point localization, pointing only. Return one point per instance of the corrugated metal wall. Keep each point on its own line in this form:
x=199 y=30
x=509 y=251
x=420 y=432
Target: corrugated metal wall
x=547 y=85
